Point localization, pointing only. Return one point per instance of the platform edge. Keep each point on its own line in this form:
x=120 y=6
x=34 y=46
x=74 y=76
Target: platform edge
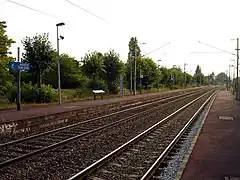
x=185 y=161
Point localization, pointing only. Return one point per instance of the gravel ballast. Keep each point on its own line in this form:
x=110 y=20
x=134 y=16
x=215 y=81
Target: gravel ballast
x=88 y=113
x=133 y=162
x=173 y=168
x=63 y=162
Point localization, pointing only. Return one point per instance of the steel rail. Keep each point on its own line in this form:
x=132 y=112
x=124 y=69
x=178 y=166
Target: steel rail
x=54 y=145
x=165 y=153
x=88 y=170
x=94 y=119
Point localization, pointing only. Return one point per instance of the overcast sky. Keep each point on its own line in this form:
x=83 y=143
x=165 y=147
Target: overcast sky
x=154 y=22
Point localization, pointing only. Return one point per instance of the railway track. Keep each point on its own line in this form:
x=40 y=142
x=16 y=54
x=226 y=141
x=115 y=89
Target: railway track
x=24 y=148
x=29 y=128
x=141 y=156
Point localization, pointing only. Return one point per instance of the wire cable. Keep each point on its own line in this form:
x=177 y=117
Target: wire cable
x=86 y=11
x=217 y=48
x=156 y=49
x=206 y=52
x=41 y=12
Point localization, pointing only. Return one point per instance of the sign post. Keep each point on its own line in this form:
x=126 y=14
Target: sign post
x=18 y=67
x=18 y=83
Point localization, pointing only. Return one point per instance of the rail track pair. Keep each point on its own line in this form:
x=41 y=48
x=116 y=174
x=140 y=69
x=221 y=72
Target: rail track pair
x=141 y=157
x=15 y=151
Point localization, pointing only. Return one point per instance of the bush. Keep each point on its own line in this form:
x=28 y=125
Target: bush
x=12 y=94
x=46 y=94
x=32 y=94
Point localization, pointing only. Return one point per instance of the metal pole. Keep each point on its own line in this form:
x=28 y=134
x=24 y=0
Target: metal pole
x=135 y=71
x=59 y=72
x=121 y=86
x=229 y=79
x=140 y=81
x=226 y=79
x=233 y=78
x=159 y=63
x=131 y=73
x=18 y=83
x=237 y=89
x=185 y=80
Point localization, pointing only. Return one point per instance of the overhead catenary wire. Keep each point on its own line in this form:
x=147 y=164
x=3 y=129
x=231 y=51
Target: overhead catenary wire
x=217 y=48
x=155 y=49
x=206 y=52
x=30 y=8
x=89 y=12
x=53 y=16
x=78 y=6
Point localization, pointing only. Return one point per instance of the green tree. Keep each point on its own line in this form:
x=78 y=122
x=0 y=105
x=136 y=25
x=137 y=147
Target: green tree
x=198 y=76
x=177 y=76
x=6 y=78
x=71 y=74
x=152 y=76
x=166 y=76
x=189 y=78
x=93 y=67
x=39 y=54
x=212 y=78
x=134 y=50
x=221 y=78
x=113 y=67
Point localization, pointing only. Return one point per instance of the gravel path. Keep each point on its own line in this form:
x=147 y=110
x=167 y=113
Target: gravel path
x=67 y=160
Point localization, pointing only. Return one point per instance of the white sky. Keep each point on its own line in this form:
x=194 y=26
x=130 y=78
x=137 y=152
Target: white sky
x=155 y=22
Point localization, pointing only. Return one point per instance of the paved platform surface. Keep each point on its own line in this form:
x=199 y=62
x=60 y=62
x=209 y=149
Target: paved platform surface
x=216 y=154
x=10 y=115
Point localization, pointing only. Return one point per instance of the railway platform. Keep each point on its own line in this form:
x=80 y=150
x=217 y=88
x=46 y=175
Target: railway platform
x=13 y=114
x=34 y=112
x=216 y=154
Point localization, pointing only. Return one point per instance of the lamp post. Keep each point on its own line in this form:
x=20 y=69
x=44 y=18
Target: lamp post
x=229 y=79
x=135 y=69
x=236 y=87
x=159 y=62
x=233 y=75
x=59 y=72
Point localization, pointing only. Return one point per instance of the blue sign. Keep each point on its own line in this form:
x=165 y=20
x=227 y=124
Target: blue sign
x=18 y=66
x=23 y=66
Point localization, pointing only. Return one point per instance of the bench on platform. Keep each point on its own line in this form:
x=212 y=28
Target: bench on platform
x=95 y=92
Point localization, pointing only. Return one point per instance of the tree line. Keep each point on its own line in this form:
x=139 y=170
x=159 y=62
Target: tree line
x=96 y=70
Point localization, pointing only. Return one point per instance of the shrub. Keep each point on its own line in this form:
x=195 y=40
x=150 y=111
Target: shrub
x=46 y=94
x=12 y=94
x=32 y=94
